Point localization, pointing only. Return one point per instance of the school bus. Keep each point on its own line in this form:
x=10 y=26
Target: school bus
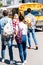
x=37 y=11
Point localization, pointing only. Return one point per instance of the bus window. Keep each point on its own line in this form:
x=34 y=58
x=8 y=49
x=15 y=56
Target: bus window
x=25 y=13
x=35 y=12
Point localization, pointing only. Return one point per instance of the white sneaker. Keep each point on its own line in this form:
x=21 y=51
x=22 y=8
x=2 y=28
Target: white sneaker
x=11 y=62
x=25 y=61
x=22 y=63
x=3 y=60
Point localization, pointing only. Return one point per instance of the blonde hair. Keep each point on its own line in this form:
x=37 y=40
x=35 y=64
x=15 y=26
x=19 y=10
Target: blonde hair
x=16 y=16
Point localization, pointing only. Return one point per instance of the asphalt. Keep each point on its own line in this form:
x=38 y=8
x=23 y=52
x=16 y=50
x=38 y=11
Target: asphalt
x=34 y=57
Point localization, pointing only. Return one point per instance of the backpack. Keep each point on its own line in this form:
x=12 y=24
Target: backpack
x=18 y=37
x=28 y=21
x=7 y=29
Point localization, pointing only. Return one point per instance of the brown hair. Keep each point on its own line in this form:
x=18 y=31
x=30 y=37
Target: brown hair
x=21 y=17
x=28 y=10
x=5 y=12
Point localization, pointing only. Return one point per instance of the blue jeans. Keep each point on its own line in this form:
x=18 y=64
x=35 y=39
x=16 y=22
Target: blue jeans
x=8 y=40
x=33 y=36
x=22 y=48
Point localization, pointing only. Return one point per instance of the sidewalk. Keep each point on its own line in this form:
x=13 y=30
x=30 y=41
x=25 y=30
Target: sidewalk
x=34 y=57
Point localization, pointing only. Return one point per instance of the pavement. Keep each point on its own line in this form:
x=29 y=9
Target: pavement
x=34 y=57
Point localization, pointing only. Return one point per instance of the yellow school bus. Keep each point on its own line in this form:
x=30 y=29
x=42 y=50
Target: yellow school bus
x=37 y=11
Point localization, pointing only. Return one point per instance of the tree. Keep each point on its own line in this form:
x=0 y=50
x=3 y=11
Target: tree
x=0 y=4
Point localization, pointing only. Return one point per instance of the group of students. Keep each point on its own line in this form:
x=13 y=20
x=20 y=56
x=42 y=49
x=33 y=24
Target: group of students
x=18 y=22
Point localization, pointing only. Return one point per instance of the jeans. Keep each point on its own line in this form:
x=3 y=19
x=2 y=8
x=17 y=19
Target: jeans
x=22 y=48
x=33 y=36
x=8 y=40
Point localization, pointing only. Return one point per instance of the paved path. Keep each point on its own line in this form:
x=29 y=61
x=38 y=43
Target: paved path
x=34 y=57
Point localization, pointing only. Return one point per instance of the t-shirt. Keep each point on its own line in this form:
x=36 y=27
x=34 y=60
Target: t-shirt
x=33 y=22
x=23 y=27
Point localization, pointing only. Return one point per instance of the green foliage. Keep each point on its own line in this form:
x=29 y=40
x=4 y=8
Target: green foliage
x=0 y=4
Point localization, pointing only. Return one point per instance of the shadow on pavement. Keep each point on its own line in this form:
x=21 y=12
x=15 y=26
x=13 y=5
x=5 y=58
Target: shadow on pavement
x=8 y=62
x=36 y=30
x=31 y=48
x=15 y=62
x=15 y=45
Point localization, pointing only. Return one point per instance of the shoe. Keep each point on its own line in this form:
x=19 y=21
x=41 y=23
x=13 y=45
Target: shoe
x=12 y=62
x=19 y=64
x=3 y=60
x=25 y=62
x=22 y=63
x=36 y=47
x=29 y=48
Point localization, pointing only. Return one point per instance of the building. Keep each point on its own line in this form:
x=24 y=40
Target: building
x=9 y=2
x=39 y=1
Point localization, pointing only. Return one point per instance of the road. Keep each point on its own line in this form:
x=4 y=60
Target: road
x=34 y=57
